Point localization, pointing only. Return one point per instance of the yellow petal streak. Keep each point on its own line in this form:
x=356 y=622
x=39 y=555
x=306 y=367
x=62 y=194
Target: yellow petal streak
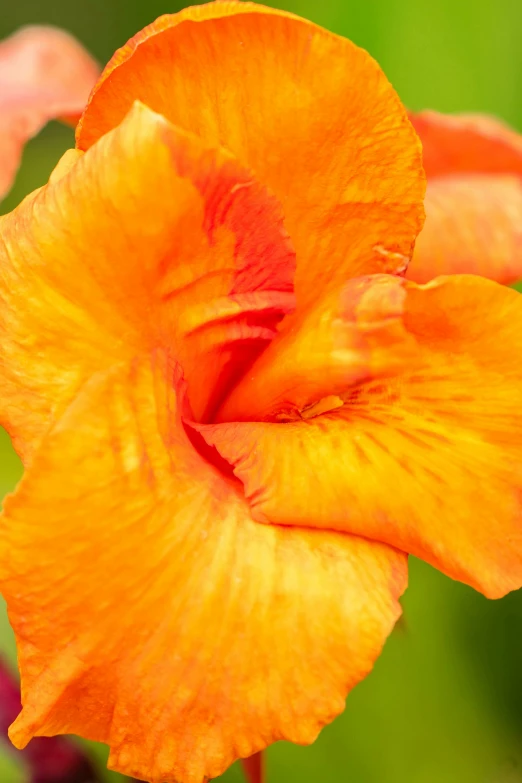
x=148 y=239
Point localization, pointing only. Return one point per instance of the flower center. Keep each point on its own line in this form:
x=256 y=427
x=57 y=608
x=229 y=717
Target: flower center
x=324 y=405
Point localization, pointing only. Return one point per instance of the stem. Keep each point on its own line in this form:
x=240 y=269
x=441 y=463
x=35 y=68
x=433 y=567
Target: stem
x=254 y=768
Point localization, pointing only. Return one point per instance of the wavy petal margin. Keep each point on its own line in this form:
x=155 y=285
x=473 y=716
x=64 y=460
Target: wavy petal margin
x=184 y=634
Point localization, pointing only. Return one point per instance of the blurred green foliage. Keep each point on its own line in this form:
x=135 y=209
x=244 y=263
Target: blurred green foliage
x=453 y=55
x=444 y=703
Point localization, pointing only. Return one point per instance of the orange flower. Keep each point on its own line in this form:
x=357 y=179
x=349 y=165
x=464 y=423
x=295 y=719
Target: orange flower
x=44 y=74
x=474 y=198
x=223 y=479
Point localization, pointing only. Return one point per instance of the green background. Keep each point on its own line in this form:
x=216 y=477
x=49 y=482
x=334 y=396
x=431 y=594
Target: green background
x=444 y=703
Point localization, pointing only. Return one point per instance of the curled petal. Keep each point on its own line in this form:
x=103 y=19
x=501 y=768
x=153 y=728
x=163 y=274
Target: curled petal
x=343 y=340
x=44 y=74
x=467 y=143
x=473 y=225
x=421 y=451
x=94 y=269
x=184 y=634
x=309 y=112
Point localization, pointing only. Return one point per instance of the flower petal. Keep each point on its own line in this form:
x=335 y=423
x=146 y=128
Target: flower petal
x=312 y=114
x=153 y=614
x=467 y=143
x=426 y=457
x=473 y=225
x=474 y=198
x=148 y=239
x=343 y=340
x=44 y=74
x=46 y=760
